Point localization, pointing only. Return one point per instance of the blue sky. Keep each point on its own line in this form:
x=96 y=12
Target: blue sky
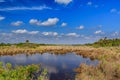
x=59 y=21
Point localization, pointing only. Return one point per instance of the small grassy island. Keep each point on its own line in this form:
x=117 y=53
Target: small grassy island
x=107 y=51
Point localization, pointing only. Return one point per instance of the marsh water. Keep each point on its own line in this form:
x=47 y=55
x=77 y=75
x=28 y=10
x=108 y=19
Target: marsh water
x=60 y=67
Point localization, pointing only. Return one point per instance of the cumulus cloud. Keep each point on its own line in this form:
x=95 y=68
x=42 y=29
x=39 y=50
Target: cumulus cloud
x=25 y=8
x=2 y=18
x=72 y=35
x=80 y=27
x=17 y=23
x=49 y=38
x=49 y=22
x=99 y=32
x=64 y=24
x=33 y=32
x=24 y=31
x=50 y=33
x=65 y=2
x=34 y=21
x=20 y=31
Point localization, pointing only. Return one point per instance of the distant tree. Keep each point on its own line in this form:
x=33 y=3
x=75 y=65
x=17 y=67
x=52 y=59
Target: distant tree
x=107 y=42
x=2 y=43
x=105 y=38
x=27 y=41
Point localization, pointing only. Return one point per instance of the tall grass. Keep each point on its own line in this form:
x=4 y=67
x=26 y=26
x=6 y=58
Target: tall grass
x=107 y=69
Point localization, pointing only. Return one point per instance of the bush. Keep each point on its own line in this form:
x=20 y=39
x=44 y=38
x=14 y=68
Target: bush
x=21 y=72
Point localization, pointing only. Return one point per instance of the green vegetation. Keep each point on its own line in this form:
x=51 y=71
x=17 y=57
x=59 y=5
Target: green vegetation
x=107 y=51
x=100 y=43
x=26 y=45
x=7 y=72
x=106 y=43
x=5 y=44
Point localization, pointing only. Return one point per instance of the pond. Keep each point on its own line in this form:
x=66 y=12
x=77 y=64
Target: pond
x=60 y=67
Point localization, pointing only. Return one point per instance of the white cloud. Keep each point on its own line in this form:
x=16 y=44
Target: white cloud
x=2 y=18
x=50 y=33
x=81 y=27
x=64 y=24
x=49 y=38
x=2 y=0
x=72 y=35
x=33 y=32
x=33 y=21
x=49 y=22
x=25 y=8
x=99 y=32
x=24 y=31
x=17 y=23
x=89 y=3
x=116 y=33
x=21 y=31
x=65 y=2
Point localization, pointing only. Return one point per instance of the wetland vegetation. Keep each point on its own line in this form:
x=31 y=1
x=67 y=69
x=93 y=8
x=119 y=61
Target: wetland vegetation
x=29 y=72
x=107 y=51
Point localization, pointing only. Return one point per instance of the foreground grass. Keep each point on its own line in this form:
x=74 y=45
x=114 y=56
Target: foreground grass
x=107 y=69
x=21 y=72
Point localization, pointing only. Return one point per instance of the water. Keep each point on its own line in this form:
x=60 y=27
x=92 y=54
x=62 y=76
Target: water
x=60 y=67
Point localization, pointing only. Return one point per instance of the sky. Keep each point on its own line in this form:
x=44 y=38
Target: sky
x=59 y=21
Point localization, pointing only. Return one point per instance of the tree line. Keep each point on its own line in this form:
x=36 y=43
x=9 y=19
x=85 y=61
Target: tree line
x=106 y=42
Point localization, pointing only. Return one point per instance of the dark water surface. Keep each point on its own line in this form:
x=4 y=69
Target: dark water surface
x=60 y=67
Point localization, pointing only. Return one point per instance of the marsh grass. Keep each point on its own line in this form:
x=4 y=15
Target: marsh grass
x=107 y=69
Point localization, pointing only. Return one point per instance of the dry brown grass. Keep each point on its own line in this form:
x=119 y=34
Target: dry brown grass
x=107 y=69
x=109 y=57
